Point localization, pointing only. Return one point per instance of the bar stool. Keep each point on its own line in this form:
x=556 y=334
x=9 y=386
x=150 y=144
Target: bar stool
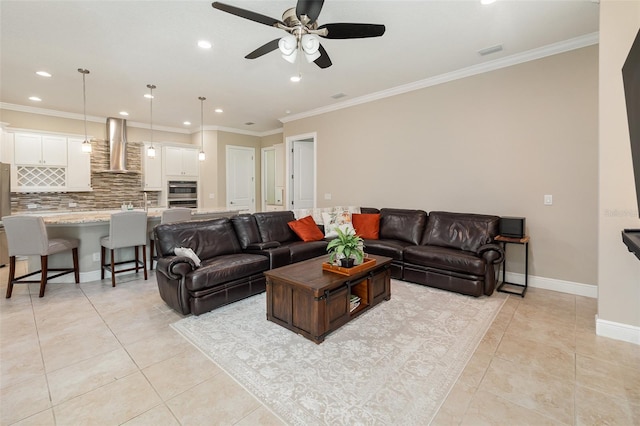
x=126 y=229
x=27 y=236
x=178 y=214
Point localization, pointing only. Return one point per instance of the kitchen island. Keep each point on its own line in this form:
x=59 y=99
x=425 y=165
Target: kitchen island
x=89 y=227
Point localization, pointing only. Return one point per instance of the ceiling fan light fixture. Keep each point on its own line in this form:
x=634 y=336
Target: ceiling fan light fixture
x=310 y=45
x=288 y=46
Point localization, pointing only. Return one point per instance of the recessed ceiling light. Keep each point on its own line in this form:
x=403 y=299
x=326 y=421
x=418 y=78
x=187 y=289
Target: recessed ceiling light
x=288 y=111
x=43 y=74
x=485 y=2
x=204 y=44
x=296 y=78
x=124 y=113
x=35 y=99
x=218 y=110
x=148 y=95
x=186 y=123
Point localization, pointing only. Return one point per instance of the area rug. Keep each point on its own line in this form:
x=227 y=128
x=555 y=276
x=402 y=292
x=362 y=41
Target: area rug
x=395 y=364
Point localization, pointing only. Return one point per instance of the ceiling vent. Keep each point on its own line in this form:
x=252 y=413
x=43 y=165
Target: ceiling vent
x=249 y=123
x=489 y=50
x=338 y=95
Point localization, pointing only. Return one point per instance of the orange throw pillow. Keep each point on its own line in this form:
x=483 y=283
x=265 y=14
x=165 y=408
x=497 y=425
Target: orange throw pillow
x=306 y=229
x=367 y=226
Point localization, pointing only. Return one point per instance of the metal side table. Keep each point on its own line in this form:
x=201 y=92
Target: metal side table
x=512 y=288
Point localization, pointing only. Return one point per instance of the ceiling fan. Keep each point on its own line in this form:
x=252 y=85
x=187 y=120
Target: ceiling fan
x=300 y=22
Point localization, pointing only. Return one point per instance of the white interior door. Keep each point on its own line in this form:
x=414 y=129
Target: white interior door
x=241 y=178
x=303 y=176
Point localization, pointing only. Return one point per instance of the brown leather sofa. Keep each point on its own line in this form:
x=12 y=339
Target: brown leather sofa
x=226 y=274
x=451 y=251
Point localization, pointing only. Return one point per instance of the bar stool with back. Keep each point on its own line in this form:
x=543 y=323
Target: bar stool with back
x=126 y=229
x=178 y=214
x=27 y=236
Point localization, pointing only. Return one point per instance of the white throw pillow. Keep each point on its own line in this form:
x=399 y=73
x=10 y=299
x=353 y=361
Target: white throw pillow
x=187 y=252
x=332 y=220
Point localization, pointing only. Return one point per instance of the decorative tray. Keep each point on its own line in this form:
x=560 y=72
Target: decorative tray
x=366 y=263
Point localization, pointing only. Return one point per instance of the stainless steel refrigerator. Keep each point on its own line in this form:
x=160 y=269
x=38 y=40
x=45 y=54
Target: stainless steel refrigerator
x=5 y=189
x=5 y=208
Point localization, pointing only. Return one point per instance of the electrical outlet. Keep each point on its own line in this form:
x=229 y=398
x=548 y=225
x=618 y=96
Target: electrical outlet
x=548 y=200
x=96 y=257
x=327 y=196
x=212 y=195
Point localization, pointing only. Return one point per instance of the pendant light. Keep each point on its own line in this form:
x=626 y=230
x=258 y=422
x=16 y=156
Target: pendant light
x=151 y=151
x=86 y=145
x=201 y=155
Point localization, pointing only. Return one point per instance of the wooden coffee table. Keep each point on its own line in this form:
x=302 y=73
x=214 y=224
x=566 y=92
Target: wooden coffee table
x=313 y=302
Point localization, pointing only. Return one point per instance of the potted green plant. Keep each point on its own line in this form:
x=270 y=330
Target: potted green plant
x=347 y=247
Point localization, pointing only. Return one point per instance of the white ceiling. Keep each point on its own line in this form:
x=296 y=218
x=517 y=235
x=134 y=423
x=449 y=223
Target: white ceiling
x=129 y=44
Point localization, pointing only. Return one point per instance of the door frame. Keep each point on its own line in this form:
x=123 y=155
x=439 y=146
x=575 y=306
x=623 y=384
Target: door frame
x=252 y=206
x=263 y=169
x=289 y=140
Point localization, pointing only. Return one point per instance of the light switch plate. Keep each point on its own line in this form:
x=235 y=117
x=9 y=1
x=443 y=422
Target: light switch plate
x=548 y=200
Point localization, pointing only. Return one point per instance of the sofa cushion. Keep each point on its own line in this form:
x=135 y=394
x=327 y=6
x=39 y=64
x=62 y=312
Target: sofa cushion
x=367 y=226
x=331 y=222
x=207 y=238
x=389 y=248
x=300 y=250
x=246 y=229
x=273 y=226
x=445 y=258
x=462 y=231
x=222 y=269
x=306 y=229
x=402 y=224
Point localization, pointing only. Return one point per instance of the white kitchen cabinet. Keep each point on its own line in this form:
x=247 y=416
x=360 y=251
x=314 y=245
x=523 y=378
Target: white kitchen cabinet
x=40 y=150
x=78 y=167
x=182 y=162
x=151 y=169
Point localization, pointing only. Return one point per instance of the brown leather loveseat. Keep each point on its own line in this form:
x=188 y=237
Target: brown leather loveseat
x=226 y=273
x=451 y=251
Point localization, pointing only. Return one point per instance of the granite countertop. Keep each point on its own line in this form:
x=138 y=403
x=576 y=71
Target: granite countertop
x=100 y=216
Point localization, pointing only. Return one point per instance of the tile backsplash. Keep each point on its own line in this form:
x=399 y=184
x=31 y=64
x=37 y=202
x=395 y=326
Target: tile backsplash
x=110 y=189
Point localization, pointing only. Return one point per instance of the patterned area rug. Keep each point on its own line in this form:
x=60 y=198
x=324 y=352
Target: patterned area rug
x=395 y=364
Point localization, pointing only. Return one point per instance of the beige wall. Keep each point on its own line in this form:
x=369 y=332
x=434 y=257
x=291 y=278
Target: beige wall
x=492 y=143
x=271 y=140
x=618 y=270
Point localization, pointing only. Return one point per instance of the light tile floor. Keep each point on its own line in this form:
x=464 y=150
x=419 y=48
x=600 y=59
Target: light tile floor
x=96 y=355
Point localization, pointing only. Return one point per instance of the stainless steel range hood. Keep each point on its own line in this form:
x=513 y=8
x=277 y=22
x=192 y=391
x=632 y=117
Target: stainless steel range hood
x=117 y=136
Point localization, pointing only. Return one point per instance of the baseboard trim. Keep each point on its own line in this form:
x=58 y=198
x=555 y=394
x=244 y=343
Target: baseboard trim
x=618 y=331
x=570 y=287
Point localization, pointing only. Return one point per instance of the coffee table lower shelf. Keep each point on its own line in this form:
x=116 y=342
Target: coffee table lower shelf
x=313 y=302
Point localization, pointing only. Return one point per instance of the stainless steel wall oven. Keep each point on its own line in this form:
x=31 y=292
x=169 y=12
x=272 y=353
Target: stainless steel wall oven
x=182 y=193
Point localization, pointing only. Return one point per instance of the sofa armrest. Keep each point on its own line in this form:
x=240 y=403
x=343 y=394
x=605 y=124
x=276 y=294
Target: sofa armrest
x=263 y=246
x=175 y=267
x=492 y=253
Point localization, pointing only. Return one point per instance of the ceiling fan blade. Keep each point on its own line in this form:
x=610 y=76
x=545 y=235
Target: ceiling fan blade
x=247 y=14
x=264 y=49
x=346 y=30
x=323 y=61
x=311 y=8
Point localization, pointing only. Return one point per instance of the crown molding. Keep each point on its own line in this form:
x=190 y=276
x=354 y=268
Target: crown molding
x=529 y=55
x=96 y=119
